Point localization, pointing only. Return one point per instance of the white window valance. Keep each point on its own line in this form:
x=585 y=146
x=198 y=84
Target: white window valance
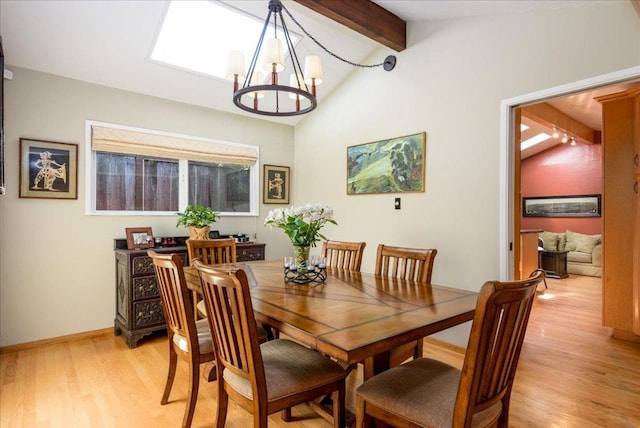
x=116 y=140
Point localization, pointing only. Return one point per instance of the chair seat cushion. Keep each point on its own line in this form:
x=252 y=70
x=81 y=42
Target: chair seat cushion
x=205 y=341
x=289 y=368
x=422 y=391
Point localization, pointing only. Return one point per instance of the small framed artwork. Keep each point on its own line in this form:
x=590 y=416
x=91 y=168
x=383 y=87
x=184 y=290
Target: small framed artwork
x=276 y=184
x=139 y=237
x=562 y=206
x=48 y=170
x=396 y=165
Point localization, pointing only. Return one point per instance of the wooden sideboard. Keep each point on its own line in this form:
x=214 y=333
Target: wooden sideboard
x=138 y=305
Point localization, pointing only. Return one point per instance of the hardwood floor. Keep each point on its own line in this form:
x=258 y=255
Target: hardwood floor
x=571 y=374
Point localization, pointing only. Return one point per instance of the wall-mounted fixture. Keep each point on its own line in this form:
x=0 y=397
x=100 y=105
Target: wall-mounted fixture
x=256 y=96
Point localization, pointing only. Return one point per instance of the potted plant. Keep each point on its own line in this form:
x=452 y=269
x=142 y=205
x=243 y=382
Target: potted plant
x=197 y=218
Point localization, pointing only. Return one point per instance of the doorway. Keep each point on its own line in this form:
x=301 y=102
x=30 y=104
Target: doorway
x=509 y=168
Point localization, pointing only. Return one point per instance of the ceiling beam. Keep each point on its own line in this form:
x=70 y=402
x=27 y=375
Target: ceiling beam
x=366 y=18
x=636 y=4
x=549 y=116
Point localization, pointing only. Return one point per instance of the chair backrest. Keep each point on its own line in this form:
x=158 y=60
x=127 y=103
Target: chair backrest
x=497 y=333
x=212 y=251
x=406 y=263
x=343 y=255
x=177 y=302
x=233 y=325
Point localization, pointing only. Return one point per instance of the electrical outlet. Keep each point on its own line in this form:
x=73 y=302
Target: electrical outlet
x=397 y=203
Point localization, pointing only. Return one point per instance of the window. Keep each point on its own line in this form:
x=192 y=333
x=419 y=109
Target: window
x=136 y=171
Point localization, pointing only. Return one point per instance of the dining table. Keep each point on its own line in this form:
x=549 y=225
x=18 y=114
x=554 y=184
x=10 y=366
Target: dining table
x=350 y=316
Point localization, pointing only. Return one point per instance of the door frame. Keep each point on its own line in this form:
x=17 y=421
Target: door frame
x=509 y=161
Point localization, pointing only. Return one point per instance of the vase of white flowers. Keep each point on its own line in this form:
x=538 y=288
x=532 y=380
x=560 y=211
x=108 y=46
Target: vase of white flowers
x=302 y=225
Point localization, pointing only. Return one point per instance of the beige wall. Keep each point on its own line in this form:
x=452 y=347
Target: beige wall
x=56 y=263
x=449 y=82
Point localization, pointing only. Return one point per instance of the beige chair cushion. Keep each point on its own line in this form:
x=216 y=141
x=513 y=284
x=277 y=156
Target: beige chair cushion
x=422 y=391
x=289 y=368
x=204 y=338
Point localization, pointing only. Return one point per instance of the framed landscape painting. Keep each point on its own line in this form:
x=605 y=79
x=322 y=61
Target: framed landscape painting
x=562 y=206
x=396 y=165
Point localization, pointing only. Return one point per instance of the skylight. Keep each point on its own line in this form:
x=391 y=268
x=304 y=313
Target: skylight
x=534 y=140
x=198 y=36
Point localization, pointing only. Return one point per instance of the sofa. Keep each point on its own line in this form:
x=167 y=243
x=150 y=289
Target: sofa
x=584 y=255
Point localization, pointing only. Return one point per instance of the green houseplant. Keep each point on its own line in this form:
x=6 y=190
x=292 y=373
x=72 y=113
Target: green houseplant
x=197 y=218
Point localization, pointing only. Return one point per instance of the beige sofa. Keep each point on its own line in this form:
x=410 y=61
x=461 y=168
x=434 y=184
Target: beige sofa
x=585 y=251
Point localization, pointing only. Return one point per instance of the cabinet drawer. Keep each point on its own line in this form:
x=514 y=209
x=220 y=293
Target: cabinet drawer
x=145 y=287
x=148 y=313
x=249 y=254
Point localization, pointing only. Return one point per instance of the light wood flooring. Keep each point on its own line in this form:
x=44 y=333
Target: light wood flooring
x=571 y=374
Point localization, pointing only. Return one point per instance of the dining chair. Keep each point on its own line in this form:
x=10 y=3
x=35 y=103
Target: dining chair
x=429 y=393
x=263 y=378
x=189 y=339
x=342 y=254
x=210 y=251
x=412 y=264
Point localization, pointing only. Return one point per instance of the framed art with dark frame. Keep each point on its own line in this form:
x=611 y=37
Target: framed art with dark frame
x=276 y=184
x=48 y=170
x=396 y=165
x=562 y=206
x=139 y=237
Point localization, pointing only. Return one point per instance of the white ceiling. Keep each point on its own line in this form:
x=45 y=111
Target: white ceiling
x=109 y=42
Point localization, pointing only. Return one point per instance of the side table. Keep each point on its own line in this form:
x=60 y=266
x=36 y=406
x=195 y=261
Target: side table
x=554 y=263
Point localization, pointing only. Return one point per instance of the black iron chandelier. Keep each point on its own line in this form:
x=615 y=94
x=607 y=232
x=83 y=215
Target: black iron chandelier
x=274 y=98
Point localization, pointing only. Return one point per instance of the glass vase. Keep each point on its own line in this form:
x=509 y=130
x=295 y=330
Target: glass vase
x=301 y=255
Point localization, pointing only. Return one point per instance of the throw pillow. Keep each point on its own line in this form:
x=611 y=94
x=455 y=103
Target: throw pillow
x=586 y=243
x=572 y=240
x=549 y=241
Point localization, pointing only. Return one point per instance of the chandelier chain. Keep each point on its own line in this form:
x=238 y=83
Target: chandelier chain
x=327 y=50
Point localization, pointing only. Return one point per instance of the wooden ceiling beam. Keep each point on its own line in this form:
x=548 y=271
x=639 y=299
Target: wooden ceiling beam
x=636 y=4
x=549 y=116
x=366 y=18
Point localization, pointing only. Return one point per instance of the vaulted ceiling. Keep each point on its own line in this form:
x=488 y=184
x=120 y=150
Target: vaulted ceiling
x=109 y=42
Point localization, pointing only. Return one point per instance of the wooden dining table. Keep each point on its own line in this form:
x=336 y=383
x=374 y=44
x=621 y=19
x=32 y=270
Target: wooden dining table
x=351 y=316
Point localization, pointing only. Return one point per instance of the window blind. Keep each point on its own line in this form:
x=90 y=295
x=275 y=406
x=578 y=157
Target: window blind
x=116 y=140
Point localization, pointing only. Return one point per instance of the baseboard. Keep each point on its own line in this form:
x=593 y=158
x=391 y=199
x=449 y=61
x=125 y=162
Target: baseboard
x=442 y=344
x=55 y=340
x=625 y=335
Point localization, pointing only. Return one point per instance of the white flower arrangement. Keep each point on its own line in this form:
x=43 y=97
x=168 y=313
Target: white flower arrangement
x=302 y=224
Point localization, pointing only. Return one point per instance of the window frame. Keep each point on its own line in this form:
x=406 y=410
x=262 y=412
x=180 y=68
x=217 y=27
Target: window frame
x=183 y=175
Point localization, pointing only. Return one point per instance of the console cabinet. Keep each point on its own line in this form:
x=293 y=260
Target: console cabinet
x=138 y=304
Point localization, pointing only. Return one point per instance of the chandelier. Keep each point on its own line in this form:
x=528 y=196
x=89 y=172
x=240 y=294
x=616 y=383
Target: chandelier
x=271 y=97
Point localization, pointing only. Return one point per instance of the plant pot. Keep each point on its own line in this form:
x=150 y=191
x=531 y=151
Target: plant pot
x=199 y=232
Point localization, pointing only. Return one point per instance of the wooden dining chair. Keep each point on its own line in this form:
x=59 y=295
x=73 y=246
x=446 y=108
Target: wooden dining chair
x=189 y=339
x=210 y=252
x=412 y=264
x=428 y=393
x=343 y=255
x=262 y=378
